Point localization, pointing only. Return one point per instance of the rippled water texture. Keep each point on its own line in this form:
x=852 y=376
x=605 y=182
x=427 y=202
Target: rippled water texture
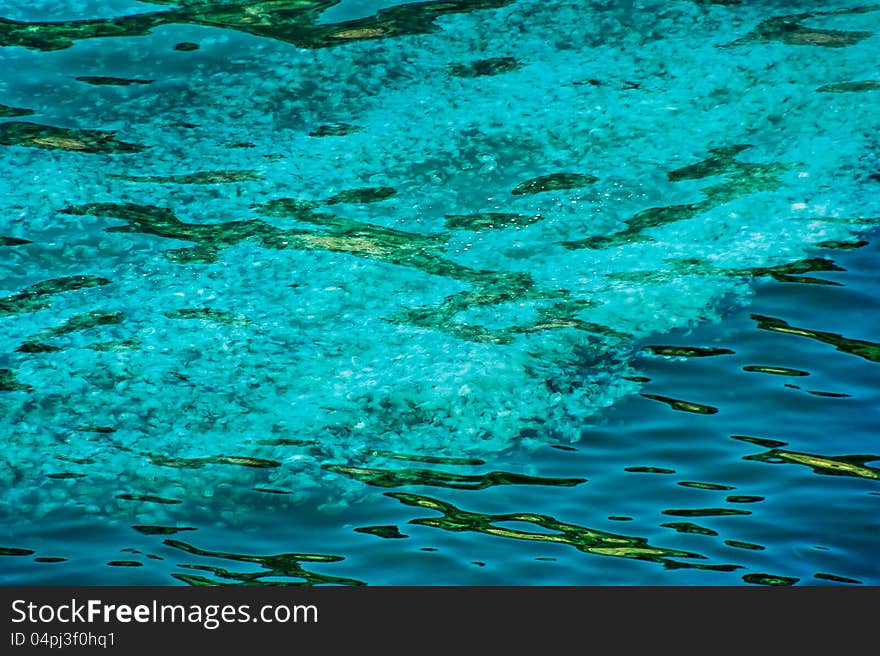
x=463 y=292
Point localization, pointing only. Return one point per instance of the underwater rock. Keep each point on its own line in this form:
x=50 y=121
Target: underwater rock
x=334 y=130
x=8 y=383
x=209 y=314
x=291 y=21
x=100 y=80
x=790 y=272
x=362 y=195
x=13 y=241
x=481 y=67
x=76 y=323
x=722 y=160
x=790 y=31
x=848 y=87
x=198 y=463
x=33 y=298
x=35 y=135
x=338 y=234
x=6 y=110
x=490 y=220
x=37 y=347
x=287 y=207
x=553 y=182
x=84 y=322
x=115 y=346
x=557 y=316
x=745 y=178
x=161 y=222
x=201 y=177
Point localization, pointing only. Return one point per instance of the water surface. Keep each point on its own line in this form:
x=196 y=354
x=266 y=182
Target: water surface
x=469 y=292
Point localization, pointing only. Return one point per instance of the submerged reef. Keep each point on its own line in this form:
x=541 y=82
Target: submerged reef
x=334 y=130
x=481 y=67
x=77 y=323
x=790 y=30
x=851 y=87
x=292 y=21
x=490 y=220
x=35 y=135
x=6 y=111
x=744 y=178
x=36 y=297
x=200 y=178
x=337 y=234
x=9 y=383
x=554 y=182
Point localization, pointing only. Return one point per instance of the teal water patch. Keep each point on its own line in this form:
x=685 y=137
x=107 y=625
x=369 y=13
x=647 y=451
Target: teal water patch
x=335 y=233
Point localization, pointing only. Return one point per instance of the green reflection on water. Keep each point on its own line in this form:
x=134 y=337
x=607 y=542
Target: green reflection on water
x=399 y=477
x=581 y=538
x=828 y=465
x=862 y=348
x=683 y=406
x=286 y=566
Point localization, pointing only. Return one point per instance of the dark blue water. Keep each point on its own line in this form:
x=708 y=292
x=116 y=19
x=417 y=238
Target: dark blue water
x=479 y=292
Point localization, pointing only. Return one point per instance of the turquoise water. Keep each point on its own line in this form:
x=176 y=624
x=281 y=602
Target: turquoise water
x=474 y=292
